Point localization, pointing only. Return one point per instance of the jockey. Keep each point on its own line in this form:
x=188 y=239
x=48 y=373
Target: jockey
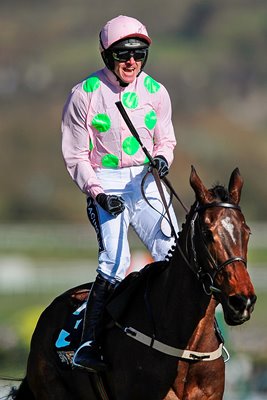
x=108 y=164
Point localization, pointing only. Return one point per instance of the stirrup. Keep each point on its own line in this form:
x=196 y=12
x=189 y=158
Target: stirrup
x=90 y=360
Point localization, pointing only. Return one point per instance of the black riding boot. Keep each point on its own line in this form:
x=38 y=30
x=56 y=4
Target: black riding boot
x=88 y=354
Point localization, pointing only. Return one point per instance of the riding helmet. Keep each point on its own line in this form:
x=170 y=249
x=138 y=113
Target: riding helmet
x=121 y=33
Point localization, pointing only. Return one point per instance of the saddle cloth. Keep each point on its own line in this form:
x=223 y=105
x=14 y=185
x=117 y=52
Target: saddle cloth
x=69 y=336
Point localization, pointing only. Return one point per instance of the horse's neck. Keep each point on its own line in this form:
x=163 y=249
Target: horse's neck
x=183 y=303
x=182 y=284
x=186 y=307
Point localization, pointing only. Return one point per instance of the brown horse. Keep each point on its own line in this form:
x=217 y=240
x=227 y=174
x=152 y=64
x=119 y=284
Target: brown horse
x=161 y=318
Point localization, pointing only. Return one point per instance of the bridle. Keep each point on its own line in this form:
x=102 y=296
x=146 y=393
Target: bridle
x=194 y=233
x=206 y=278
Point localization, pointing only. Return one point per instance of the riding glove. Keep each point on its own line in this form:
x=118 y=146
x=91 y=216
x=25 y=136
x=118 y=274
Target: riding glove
x=114 y=205
x=161 y=165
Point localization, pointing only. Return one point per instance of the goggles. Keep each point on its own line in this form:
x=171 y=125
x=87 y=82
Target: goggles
x=125 y=55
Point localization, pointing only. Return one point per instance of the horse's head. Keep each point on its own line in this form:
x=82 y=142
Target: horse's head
x=219 y=240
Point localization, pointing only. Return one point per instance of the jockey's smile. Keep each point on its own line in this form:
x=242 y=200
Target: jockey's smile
x=128 y=70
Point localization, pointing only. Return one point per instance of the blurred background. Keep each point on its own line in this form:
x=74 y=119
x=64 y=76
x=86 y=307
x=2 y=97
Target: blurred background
x=212 y=58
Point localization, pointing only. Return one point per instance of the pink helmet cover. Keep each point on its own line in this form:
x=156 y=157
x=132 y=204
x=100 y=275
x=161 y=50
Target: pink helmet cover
x=122 y=27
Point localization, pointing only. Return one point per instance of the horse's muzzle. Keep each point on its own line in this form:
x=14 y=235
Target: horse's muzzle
x=238 y=308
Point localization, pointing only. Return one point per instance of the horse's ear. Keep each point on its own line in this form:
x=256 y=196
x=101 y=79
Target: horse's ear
x=235 y=186
x=202 y=193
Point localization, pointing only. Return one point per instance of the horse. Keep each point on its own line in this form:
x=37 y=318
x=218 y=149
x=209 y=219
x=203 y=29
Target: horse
x=160 y=341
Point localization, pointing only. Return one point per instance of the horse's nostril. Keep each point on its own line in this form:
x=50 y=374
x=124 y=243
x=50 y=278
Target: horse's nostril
x=238 y=302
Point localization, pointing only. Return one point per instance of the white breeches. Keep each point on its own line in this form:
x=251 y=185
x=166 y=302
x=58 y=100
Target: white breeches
x=112 y=232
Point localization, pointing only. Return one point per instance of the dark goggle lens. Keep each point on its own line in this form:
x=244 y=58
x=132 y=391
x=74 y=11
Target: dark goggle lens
x=125 y=55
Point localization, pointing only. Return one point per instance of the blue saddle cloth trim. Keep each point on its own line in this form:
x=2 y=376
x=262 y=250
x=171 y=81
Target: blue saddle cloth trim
x=69 y=336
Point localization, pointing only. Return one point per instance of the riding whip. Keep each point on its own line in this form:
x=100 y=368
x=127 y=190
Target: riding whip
x=134 y=132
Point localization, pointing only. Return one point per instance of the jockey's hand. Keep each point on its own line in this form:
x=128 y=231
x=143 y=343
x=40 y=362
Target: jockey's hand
x=161 y=165
x=114 y=205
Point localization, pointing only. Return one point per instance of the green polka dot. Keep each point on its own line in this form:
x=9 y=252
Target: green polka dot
x=130 y=99
x=146 y=161
x=151 y=85
x=110 y=161
x=130 y=145
x=101 y=122
x=91 y=84
x=91 y=146
x=151 y=119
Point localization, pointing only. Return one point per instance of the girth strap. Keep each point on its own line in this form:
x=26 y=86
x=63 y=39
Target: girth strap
x=169 y=350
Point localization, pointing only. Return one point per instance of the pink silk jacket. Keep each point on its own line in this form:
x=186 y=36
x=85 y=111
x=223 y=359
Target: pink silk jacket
x=95 y=136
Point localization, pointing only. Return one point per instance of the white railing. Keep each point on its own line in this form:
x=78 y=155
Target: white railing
x=50 y=235
x=20 y=273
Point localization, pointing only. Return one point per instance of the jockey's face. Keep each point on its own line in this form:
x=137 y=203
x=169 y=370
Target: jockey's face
x=128 y=70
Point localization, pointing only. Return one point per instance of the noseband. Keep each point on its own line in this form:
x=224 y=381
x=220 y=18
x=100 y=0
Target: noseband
x=207 y=278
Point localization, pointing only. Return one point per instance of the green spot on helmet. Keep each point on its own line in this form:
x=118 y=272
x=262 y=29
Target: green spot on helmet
x=151 y=119
x=130 y=99
x=91 y=146
x=151 y=85
x=130 y=145
x=101 y=122
x=110 y=161
x=91 y=84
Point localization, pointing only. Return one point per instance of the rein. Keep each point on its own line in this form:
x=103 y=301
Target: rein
x=163 y=198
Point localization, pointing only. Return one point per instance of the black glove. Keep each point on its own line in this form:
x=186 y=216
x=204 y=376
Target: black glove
x=114 y=205
x=162 y=165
